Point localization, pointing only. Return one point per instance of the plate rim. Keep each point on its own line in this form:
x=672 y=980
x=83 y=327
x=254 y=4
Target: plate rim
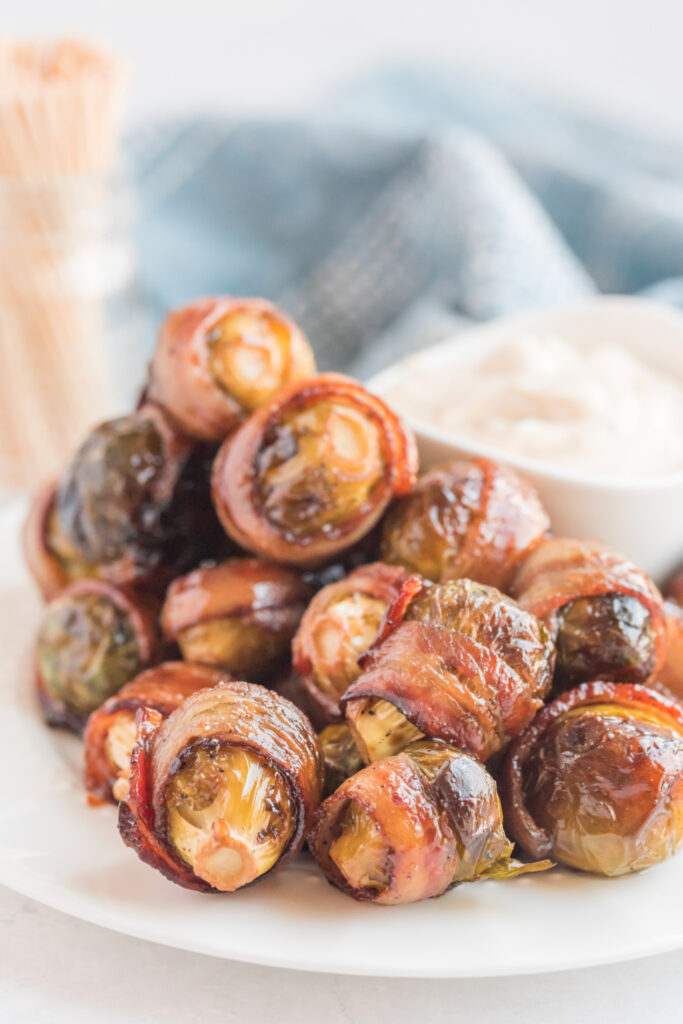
x=54 y=893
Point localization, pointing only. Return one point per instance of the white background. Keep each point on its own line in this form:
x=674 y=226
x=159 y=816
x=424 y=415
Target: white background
x=620 y=55
x=271 y=56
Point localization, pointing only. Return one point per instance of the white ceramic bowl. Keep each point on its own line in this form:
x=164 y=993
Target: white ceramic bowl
x=643 y=517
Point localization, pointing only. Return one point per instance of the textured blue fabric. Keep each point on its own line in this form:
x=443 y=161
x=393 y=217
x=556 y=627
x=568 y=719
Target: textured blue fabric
x=408 y=203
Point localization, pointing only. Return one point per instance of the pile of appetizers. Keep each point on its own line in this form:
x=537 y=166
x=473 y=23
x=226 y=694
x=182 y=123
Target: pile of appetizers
x=270 y=633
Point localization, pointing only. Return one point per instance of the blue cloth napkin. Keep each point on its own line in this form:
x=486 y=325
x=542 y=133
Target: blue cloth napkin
x=409 y=202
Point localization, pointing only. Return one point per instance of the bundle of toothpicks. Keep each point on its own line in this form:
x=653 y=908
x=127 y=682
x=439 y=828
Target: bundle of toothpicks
x=60 y=110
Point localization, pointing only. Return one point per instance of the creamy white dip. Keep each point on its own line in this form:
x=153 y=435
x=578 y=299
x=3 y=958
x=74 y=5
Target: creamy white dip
x=596 y=409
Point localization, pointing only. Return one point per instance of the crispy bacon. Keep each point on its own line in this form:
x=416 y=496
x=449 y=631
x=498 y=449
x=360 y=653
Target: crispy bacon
x=163 y=689
x=475 y=686
x=412 y=826
x=612 y=788
x=141 y=610
x=236 y=715
x=280 y=502
x=324 y=650
x=465 y=519
x=181 y=379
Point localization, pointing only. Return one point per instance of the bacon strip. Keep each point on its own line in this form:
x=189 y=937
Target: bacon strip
x=163 y=689
x=378 y=581
x=521 y=826
x=236 y=473
x=255 y=591
x=235 y=714
x=449 y=685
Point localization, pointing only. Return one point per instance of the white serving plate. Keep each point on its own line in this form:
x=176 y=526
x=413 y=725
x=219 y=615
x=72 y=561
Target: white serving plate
x=57 y=850
x=640 y=517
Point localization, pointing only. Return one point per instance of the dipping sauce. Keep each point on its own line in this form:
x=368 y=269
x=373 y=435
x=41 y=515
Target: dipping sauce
x=595 y=409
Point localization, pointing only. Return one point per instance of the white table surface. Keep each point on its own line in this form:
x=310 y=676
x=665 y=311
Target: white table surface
x=58 y=970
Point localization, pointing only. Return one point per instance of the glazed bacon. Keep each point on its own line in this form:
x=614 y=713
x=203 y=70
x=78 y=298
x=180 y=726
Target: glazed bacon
x=109 y=736
x=240 y=615
x=310 y=473
x=220 y=358
x=93 y=638
x=465 y=519
x=605 y=614
x=456 y=661
x=223 y=790
x=596 y=780
x=412 y=826
x=339 y=625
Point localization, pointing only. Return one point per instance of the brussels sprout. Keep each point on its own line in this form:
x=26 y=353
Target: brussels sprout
x=339 y=624
x=606 y=637
x=226 y=788
x=230 y=815
x=254 y=351
x=410 y=827
x=108 y=498
x=309 y=474
x=492 y=619
x=464 y=519
x=382 y=730
x=218 y=359
x=596 y=780
x=87 y=648
x=240 y=615
x=340 y=755
x=318 y=468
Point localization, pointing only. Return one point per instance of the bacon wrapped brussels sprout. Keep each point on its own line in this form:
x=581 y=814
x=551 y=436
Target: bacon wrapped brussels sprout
x=338 y=626
x=605 y=614
x=456 y=661
x=128 y=509
x=310 y=473
x=223 y=790
x=465 y=519
x=412 y=826
x=93 y=638
x=219 y=359
x=240 y=615
x=110 y=733
x=596 y=780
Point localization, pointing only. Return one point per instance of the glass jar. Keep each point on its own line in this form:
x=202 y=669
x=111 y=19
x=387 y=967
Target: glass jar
x=74 y=331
